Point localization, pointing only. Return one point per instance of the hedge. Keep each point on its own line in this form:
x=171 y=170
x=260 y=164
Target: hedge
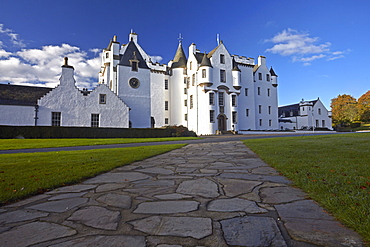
x=33 y=132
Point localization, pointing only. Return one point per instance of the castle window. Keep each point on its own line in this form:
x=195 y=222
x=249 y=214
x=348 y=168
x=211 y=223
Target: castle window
x=222 y=75
x=166 y=121
x=55 y=118
x=166 y=84
x=234 y=117
x=102 y=98
x=270 y=122
x=186 y=117
x=191 y=65
x=107 y=55
x=269 y=109
x=233 y=100
x=259 y=91
x=212 y=116
x=323 y=123
x=260 y=122
x=319 y=111
x=247 y=112
x=268 y=92
x=260 y=76
x=267 y=77
x=94 y=120
x=221 y=98
x=246 y=91
x=191 y=101
x=204 y=73
x=193 y=79
x=166 y=105
x=186 y=102
x=185 y=91
x=260 y=109
x=222 y=58
x=211 y=98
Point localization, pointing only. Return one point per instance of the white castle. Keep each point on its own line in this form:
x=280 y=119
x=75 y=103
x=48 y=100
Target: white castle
x=206 y=92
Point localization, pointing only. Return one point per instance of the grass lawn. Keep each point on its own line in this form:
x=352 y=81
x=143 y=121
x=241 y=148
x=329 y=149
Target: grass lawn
x=7 y=144
x=334 y=170
x=22 y=175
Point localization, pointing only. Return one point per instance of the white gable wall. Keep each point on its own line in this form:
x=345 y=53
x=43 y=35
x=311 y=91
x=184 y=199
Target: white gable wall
x=17 y=115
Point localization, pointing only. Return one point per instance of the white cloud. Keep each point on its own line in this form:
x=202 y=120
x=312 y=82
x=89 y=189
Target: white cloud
x=12 y=35
x=156 y=59
x=301 y=47
x=43 y=66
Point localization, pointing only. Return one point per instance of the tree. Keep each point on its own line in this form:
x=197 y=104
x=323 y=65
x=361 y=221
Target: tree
x=363 y=106
x=344 y=109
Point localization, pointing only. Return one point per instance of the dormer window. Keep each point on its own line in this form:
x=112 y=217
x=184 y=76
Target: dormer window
x=107 y=55
x=222 y=58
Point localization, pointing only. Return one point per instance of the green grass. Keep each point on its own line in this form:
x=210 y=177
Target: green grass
x=7 y=144
x=22 y=175
x=333 y=169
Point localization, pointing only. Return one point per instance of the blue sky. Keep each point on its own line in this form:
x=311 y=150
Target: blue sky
x=318 y=48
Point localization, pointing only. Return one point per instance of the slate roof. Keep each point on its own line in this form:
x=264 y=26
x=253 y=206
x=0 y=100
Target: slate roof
x=132 y=53
x=179 y=60
x=291 y=108
x=21 y=95
x=205 y=61
x=272 y=72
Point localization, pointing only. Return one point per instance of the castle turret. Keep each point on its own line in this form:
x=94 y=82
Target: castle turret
x=206 y=71
x=274 y=76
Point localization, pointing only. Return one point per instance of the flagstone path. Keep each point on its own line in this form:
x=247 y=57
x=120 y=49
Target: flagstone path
x=210 y=194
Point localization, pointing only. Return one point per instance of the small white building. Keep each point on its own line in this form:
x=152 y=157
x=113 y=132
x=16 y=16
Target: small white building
x=64 y=105
x=305 y=115
x=206 y=92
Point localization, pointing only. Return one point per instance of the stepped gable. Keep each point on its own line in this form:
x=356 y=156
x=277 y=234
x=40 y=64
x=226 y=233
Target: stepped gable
x=132 y=53
x=179 y=60
x=21 y=95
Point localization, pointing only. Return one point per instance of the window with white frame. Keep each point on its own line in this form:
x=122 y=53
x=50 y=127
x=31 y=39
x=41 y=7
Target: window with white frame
x=267 y=77
x=166 y=105
x=166 y=121
x=166 y=84
x=234 y=117
x=259 y=109
x=260 y=76
x=246 y=91
x=269 y=109
x=247 y=112
x=55 y=118
x=94 y=120
x=191 y=101
x=221 y=98
x=204 y=73
x=186 y=102
x=259 y=91
x=222 y=58
x=102 y=98
x=233 y=100
x=270 y=122
x=268 y=92
x=212 y=116
x=222 y=75
x=260 y=122
x=193 y=80
x=211 y=98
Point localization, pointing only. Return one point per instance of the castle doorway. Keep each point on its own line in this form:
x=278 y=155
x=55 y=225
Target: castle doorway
x=221 y=122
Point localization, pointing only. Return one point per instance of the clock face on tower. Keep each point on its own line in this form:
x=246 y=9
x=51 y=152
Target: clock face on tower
x=134 y=82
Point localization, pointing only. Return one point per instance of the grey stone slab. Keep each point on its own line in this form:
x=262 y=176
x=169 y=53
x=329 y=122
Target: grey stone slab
x=72 y=188
x=256 y=177
x=110 y=187
x=166 y=207
x=97 y=217
x=322 y=232
x=156 y=170
x=265 y=170
x=169 y=245
x=278 y=195
x=252 y=231
x=154 y=183
x=173 y=196
x=117 y=177
x=100 y=240
x=33 y=233
x=305 y=209
x=175 y=226
x=199 y=187
x=235 y=187
x=27 y=201
x=235 y=205
x=20 y=215
x=66 y=196
x=115 y=200
x=60 y=205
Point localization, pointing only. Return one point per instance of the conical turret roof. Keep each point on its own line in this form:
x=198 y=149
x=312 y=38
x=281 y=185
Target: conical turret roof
x=235 y=66
x=206 y=61
x=180 y=58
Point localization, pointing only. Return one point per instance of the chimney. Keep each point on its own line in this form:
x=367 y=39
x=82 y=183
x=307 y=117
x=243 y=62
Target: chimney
x=67 y=74
x=133 y=37
x=261 y=61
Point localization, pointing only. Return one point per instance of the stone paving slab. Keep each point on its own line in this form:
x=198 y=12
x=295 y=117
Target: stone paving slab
x=210 y=194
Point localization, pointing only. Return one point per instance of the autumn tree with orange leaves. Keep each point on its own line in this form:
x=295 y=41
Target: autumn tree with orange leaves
x=346 y=109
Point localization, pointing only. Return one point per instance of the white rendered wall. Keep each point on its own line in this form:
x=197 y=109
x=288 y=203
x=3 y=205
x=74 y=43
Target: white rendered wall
x=17 y=115
x=246 y=101
x=158 y=96
x=76 y=109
